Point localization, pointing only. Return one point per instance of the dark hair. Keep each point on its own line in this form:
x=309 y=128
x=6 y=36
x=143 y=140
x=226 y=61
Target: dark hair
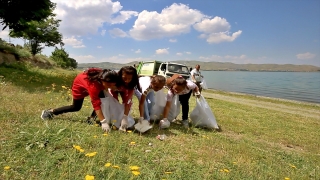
x=97 y=74
x=158 y=78
x=176 y=79
x=135 y=79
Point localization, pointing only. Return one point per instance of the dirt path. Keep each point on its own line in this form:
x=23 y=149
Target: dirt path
x=266 y=105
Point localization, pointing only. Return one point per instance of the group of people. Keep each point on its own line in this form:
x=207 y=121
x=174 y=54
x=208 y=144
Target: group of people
x=94 y=82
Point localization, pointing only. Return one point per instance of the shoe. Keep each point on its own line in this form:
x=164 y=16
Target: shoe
x=164 y=124
x=46 y=114
x=185 y=123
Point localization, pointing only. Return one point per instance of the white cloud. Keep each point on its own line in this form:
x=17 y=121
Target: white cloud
x=306 y=55
x=4 y=34
x=188 y=52
x=179 y=54
x=138 y=51
x=99 y=47
x=81 y=17
x=74 y=42
x=103 y=32
x=116 y=32
x=119 y=59
x=172 y=40
x=216 y=30
x=173 y=20
x=84 y=59
x=162 y=51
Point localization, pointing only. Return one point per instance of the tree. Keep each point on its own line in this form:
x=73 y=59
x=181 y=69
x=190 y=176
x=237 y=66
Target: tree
x=61 y=57
x=15 y=14
x=43 y=32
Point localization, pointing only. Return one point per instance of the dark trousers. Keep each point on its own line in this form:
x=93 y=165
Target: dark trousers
x=184 y=101
x=76 y=106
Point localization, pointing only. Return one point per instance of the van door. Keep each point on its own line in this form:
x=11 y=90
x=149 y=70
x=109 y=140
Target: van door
x=162 y=69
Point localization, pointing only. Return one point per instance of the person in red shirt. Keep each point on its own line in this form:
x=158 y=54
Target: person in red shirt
x=128 y=80
x=89 y=83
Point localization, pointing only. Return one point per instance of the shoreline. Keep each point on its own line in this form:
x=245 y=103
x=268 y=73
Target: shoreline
x=265 y=97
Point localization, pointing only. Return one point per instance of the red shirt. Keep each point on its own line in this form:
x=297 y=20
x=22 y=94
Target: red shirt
x=126 y=95
x=82 y=87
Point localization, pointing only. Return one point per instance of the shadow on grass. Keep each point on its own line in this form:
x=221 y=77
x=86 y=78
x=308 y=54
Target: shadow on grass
x=19 y=74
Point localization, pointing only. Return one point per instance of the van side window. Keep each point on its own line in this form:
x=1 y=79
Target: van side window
x=163 y=67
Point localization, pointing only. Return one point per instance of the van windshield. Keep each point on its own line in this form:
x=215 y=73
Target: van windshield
x=176 y=68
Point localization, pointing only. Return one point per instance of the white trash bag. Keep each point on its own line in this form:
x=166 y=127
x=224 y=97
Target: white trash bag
x=156 y=112
x=113 y=111
x=203 y=84
x=174 y=109
x=202 y=115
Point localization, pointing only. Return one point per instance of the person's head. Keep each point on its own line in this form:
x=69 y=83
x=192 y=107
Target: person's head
x=128 y=77
x=108 y=78
x=197 y=67
x=157 y=82
x=177 y=83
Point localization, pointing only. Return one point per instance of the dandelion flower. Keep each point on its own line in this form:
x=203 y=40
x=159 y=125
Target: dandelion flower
x=286 y=178
x=105 y=134
x=7 y=168
x=76 y=147
x=107 y=165
x=234 y=162
x=81 y=150
x=64 y=87
x=134 y=168
x=96 y=125
x=226 y=170
x=168 y=172
x=293 y=166
x=89 y=177
x=132 y=143
x=95 y=136
x=91 y=154
x=136 y=173
x=117 y=167
x=129 y=131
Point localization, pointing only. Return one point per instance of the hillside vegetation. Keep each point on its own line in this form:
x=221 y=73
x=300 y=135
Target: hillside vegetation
x=219 y=66
x=260 y=138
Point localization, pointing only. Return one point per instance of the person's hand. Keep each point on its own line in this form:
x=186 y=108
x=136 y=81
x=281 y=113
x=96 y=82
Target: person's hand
x=164 y=123
x=124 y=123
x=198 y=94
x=105 y=126
x=141 y=119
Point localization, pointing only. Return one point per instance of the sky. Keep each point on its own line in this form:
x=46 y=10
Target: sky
x=236 y=31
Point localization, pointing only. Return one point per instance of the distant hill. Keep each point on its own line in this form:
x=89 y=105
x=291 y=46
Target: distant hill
x=219 y=66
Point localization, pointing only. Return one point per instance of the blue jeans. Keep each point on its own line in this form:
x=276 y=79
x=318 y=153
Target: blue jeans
x=149 y=102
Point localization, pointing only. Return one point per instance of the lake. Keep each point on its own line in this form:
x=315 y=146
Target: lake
x=300 y=86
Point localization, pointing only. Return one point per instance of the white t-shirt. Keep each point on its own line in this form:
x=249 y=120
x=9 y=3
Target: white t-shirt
x=196 y=74
x=190 y=86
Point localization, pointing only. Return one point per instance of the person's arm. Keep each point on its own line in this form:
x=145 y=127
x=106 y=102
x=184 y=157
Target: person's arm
x=100 y=114
x=141 y=104
x=192 y=76
x=166 y=109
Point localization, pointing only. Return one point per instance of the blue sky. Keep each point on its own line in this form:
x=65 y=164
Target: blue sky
x=237 y=31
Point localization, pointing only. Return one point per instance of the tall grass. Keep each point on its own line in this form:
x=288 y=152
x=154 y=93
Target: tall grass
x=255 y=143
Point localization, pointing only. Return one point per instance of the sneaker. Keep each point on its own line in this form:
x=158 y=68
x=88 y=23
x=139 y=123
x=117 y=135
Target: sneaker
x=185 y=123
x=46 y=114
x=164 y=124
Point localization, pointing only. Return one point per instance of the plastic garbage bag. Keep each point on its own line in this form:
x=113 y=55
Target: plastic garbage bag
x=156 y=112
x=202 y=116
x=113 y=111
x=143 y=126
x=174 y=109
x=203 y=84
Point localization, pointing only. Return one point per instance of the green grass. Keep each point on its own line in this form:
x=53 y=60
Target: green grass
x=255 y=143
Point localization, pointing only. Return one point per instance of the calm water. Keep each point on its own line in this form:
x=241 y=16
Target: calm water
x=301 y=86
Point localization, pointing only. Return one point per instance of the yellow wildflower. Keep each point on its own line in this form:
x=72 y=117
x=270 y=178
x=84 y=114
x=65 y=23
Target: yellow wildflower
x=129 y=131
x=105 y=134
x=89 y=177
x=134 y=168
x=76 y=147
x=286 y=178
x=226 y=170
x=136 y=173
x=293 y=166
x=132 y=143
x=168 y=172
x=81 y=150
x=107 y=165
x=96 y=125
x=117 y=167
x=7 y=168
x=64 y=87
x=95 y=136
x=91 y=154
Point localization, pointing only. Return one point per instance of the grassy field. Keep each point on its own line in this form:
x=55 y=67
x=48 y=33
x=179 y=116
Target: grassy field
x=261 y=138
